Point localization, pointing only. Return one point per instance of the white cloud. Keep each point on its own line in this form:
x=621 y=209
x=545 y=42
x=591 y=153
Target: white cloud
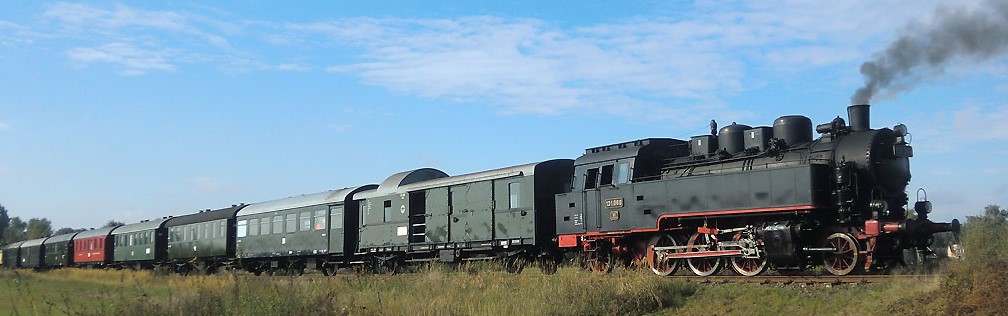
x=292 y=67
x=4 y=126
x=131 y=60
x=654 y=67
x=77 y=18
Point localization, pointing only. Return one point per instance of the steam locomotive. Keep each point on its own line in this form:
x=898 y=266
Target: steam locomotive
x=752 y=198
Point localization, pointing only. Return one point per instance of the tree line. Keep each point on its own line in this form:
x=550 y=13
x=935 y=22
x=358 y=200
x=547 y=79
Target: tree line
x=15 y=229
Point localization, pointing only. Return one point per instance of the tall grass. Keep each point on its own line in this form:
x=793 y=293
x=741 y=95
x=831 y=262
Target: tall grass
x=976 y=284
x=470 y=290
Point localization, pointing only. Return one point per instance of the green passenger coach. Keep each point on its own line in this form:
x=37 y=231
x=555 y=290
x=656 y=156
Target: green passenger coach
x=32 y=253
x=139 y=245
x=203 y=241
x=58 y=251
x=295 y=233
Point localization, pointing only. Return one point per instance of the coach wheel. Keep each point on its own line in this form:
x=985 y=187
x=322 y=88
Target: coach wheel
x=515 y=264
x=656 y=259
x=388 y=265
x=257 y=272
x=184 y=270
x=844 y=258
x=328 y=269
x=295 y=270
x=703 y=266
x=748 y=266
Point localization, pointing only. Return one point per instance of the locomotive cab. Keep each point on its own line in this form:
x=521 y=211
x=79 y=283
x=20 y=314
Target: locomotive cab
x=600 y=197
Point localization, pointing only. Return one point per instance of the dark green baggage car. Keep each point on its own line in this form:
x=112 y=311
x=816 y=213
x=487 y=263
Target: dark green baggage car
x=58 y=251
x=32 y=253
x=11 y=255
x=141 y=245
x=507 y=212
x=295 y=233
x=189 y=249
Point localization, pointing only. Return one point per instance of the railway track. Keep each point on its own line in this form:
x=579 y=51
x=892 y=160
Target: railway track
x=801 y=279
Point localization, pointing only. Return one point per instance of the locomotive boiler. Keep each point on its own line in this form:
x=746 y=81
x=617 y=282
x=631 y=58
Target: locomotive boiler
x=750 y=197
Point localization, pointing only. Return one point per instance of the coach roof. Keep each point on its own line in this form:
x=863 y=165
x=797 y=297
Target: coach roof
x=60 y=238
x=94 y=233
x=33 y=242
x=141 y=226
x=204 y=216
x=393 y=182
x=327 y=197
x=522 y=170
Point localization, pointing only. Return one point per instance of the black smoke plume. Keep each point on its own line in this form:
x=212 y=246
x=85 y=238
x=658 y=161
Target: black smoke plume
x=954 y=34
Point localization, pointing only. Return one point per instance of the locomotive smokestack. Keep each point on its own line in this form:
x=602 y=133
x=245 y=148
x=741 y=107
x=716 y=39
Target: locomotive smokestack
x=860 y=117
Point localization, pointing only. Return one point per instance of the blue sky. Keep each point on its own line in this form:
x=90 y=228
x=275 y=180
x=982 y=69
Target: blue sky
x=133 y=110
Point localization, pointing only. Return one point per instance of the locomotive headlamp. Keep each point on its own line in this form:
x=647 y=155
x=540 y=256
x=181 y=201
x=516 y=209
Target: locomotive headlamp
x=902 y=134
x=901 y=130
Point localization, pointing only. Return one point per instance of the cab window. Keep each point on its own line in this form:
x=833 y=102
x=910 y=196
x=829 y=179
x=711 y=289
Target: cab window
x=623 y=173
x=607 y=175
x=591 y=179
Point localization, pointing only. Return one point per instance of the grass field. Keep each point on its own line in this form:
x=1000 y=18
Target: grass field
x=974 y=286
x=434 y=292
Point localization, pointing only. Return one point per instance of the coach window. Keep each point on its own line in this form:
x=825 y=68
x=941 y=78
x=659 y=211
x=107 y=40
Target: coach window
x=207 y=231
x=253 y=227
x=278 y=224
x=514 y=194
x=291 y=223
x=591 y=178
x=336 y=217
x=305 y=220
x=221 y=228
x=363 y=213
x=607 y=173
x=623 y=173
x=320 y=220
x=264 y=226
x=242 y=228
x=388 y=211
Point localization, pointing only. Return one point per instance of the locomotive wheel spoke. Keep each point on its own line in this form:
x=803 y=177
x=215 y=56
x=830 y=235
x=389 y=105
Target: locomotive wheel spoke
x=702 y=266
x=844 y=258
x=748 y=266
x=658 y=263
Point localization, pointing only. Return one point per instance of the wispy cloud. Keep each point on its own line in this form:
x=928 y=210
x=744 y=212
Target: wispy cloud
x=4 y=126
x=292 y=67
x=76 y=18
x=655 y=68
x=131 y=60
x=956 y=129
x=659 y=68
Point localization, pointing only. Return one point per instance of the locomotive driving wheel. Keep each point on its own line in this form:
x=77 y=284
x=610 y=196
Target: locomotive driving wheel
x=748 y=266
x=845 y=257
x=703 y=266
x=656 y=259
